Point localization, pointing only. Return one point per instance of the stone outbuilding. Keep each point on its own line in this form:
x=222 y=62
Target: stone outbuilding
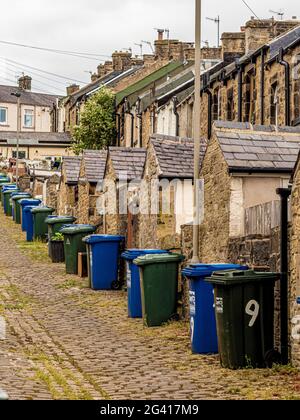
x=91 y=176
x=242 y=168
x=121 y=190
x=167 y=194
x=295 y=266
x=68 y=189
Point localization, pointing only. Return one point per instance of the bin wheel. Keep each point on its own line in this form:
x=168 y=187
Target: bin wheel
x=272 y=357
x=115 y=285
x=175 y=318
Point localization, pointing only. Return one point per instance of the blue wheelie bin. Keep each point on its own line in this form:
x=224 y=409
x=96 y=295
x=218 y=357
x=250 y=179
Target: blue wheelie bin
x=103 y=261
x=133 y=280
x=25 y=203
x=204 y=337
x=27 y=216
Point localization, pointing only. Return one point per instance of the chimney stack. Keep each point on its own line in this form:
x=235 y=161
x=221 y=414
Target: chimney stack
x=233 y=45
x=25 y=83
x=72 y=89
x=121 y=60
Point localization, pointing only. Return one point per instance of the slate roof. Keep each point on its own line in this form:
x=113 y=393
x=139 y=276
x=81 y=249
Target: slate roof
x=144 y=83
x=34 y=138
x=129 y=162
x=284 y=41
x=71 y=165
x=175 y=156
x=95 y=164
x=27 y=97
x=249 y=148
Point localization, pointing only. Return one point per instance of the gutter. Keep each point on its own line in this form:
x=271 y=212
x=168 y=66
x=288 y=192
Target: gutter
x=249 y=171
x=140 y=117
x=127 y=111
x=209 y=117
x=175 y=104
x=262 y=87
x=240 y=93
x=118 y=115
x=286 y=65
x=284 y=194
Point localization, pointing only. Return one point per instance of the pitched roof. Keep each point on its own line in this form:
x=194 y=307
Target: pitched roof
x=34 y=138
x=71 y=165
x=94 y=163
x=110 y=80
x=27 y=97
x=284 y=41
x=175 y=156
x=249 y=148
x=128 y=162
x=146 y=81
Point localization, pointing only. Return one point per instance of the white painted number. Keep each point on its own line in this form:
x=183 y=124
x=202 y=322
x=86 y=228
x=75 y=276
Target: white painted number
x=252 y=309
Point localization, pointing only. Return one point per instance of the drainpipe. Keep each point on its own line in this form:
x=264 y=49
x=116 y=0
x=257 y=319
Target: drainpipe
x=286 y=65
x=127 y=111
x=175 y=103
x=118 y=115
x=262 y=88
x=240 y=94
x=209 y=117
x=284 y=194
x=140 y=117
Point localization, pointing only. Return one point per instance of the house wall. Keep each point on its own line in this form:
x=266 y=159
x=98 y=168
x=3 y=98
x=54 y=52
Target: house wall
x=166 y=120
x=217 y=193
x=36 y=152
x=42 y=118
x=295 y=268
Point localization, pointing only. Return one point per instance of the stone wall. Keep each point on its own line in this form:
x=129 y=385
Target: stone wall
x=214 y=245
x=67 y=205
x=52 y=186
x=24 y=183
x=295 y=266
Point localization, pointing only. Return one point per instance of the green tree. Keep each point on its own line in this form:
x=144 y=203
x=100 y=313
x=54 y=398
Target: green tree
x=97 y=128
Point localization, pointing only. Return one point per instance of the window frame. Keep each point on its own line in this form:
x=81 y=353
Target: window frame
x=26 y=110
x=3 y=123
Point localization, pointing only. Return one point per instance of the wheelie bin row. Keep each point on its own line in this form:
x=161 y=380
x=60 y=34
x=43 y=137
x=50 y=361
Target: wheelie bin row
x=231 y=307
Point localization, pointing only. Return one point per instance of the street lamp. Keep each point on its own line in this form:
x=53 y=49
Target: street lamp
x=197 y=130
x=18 y=96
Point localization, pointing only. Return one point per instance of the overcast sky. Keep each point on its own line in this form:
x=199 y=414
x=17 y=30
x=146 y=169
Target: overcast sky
x=102 y=26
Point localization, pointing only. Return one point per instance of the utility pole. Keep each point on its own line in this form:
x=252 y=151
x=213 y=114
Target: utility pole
x=18 y=96
x=197 y=130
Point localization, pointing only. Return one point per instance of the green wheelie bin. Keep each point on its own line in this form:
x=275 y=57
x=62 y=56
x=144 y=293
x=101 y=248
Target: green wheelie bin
x=7 y=201
x=159 y=287
x=16 y=206
x=73 y=244
x=55 y=223
x=244 y=305
x=40 y=228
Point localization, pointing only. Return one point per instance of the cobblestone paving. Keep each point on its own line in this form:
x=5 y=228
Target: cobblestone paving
x=65 y=341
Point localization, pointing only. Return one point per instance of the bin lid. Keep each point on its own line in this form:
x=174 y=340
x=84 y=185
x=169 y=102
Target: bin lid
x=96 y=239
x=75 y=229
x=205 y=270
x=132 y=254
x=157 y=259
x=27 y=202
x=19 y=197
x=53 y=220
x=28 y=209
x=42 y=209
x=234 y=277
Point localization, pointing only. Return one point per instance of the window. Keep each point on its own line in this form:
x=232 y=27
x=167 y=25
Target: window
x=3 y=116
x=249 y=98
x=28 y=118
x=216 y=105
x=22 y=155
